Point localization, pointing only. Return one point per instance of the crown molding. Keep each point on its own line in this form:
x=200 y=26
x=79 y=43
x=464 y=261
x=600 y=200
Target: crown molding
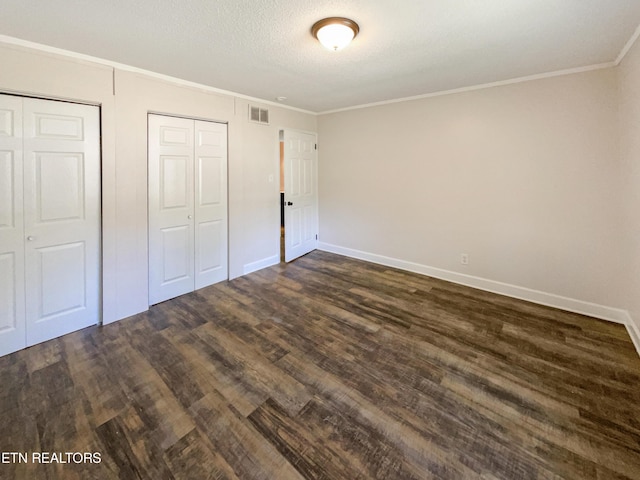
x=12 y=41
x=628 y=46
x=483 y=86
x=7 y=40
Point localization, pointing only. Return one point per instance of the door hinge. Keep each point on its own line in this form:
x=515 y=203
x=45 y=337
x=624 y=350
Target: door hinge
x=316 y=146
x=316 y=236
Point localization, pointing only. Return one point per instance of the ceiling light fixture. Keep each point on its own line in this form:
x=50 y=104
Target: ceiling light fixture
x=335 y=33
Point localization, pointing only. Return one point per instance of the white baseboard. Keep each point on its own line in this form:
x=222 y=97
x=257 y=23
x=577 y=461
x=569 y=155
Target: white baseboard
x=634 y=331
x=543 y=298
x=260 y=264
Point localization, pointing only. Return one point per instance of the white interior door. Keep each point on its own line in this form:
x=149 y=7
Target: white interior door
x=171 y=207
x=211 y=263
x=187 y=206
x=301 y=194
x=61 y=217
x=12 y=301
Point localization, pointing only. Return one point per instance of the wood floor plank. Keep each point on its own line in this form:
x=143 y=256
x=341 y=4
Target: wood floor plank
x=99 y=384
x=252 y=368
x=240 y=321
x=129 y=450
x=421 y=453
x=194 y=456
x=164 y=419
x=323 y=443
x=330 y=368
x=215 y=375
x=234 y=437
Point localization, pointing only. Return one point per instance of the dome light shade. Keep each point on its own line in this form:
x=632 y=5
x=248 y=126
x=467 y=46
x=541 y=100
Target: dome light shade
x=335 y=33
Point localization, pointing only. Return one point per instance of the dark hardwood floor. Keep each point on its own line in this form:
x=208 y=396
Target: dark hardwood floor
x=330 y=368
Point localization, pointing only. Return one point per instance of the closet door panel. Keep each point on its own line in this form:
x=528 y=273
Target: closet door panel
x=176 y=253
x=61 y=217
x=12 y=300
x=211 y=203
x=210 y=234
x=171 y=207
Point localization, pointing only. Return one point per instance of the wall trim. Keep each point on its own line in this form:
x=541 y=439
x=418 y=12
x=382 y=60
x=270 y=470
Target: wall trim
x=7 y=40
x=482 y=86
x=260 y=264
x=634 y=331
x=535 y=296
x=627 y=46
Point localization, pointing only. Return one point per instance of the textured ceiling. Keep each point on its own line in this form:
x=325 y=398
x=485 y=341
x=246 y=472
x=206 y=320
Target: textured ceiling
x=263 y=48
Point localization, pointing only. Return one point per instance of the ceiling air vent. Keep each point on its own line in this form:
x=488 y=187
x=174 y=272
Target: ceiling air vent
x=258 y=115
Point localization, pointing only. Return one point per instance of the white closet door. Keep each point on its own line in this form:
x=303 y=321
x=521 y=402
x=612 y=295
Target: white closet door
x=211 y=203
x=61 y=217
x=171 y=207
x=12 y=301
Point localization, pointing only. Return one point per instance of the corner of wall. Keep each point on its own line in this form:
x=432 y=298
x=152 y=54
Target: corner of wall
x=633 y=328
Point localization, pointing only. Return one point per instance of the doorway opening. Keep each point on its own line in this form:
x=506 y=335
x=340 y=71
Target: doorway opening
x=187 y=208
x=298 y=193
x=50 y=219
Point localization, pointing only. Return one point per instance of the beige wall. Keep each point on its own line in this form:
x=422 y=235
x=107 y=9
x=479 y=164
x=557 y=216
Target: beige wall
x=254 y=224
x=523 y=178
x=629 y=74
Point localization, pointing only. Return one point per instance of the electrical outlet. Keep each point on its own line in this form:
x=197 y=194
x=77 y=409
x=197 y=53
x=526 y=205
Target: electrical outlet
x=464 y=259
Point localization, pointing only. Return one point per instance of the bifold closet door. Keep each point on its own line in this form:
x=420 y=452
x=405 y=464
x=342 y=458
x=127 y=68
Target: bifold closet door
x=187 y=205
x=211 y=235
x=12 y=301
x=49 y=220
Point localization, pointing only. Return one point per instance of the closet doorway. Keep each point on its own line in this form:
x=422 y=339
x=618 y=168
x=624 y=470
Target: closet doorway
x=49 y=220
x=188 y=246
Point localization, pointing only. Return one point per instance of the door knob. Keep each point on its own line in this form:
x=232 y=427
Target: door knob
x=289 y=203
x=30 y=238
x=189 y=217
